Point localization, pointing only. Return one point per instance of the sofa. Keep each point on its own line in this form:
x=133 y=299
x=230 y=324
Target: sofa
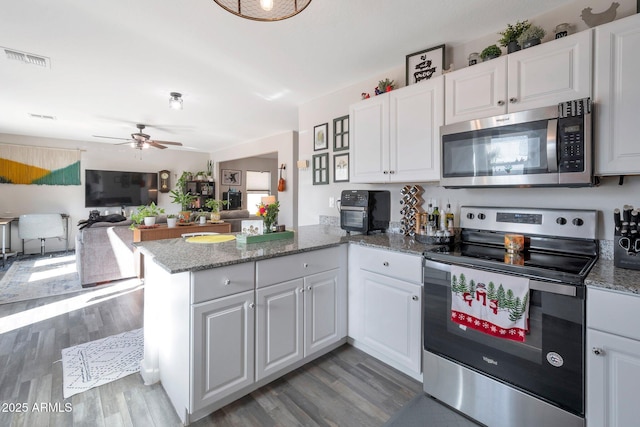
x=236 y=217
x=105 y=252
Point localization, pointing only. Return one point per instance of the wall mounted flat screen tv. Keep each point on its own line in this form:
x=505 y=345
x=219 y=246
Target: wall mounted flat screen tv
x=118 y=188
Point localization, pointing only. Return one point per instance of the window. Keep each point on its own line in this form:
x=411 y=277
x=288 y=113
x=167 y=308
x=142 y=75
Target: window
x=258 y=186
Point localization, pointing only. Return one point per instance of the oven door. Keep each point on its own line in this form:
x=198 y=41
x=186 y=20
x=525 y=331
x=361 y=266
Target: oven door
x=548 y=365
x=354 y=218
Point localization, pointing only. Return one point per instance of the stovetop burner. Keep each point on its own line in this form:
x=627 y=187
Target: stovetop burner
x=561 y=244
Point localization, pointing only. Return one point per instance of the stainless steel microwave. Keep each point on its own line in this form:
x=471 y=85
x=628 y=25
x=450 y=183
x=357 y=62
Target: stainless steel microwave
x=550 y=146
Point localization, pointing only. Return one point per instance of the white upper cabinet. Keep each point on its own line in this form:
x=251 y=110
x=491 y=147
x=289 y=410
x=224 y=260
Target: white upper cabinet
x=395 y=136
x=617 y=97
x=543 y=75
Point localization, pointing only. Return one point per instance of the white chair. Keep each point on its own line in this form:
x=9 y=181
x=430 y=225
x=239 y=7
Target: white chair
x=40 y=226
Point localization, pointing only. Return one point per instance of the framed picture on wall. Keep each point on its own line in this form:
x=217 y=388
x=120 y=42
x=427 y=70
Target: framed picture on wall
x=231 y=177
x=341 y=133
x=320 y=137
x=425 y=64
x=320 y=168
x=341 y=167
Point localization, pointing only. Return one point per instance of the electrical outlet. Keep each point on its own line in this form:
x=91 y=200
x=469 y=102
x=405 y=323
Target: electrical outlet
x=332 y=202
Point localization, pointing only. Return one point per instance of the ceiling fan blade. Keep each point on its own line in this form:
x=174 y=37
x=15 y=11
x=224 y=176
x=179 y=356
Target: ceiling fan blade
x=155 y=144
x=111 y=137
x=166 y=142
x=124 y=143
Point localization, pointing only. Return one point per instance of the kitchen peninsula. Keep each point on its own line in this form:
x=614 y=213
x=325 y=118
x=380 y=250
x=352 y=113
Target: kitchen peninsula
x=223 y=319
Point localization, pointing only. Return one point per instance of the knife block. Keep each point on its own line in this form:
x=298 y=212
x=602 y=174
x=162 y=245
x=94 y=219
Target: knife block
x=623 y=258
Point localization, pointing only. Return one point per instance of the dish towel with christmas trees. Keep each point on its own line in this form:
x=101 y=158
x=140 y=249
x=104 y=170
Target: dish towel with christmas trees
x=496 y=304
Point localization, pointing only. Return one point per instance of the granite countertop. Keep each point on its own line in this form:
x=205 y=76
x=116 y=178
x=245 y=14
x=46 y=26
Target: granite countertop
x=178 y=255
x=605 y=275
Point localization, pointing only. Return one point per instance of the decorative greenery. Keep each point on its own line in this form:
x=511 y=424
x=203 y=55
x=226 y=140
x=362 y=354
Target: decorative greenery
x=183 y=199
x=172 y=216
x=215 y=205
x=490 y=52
x=145 y=211
x=531 y=33
x=512 y=32
x=386 y=83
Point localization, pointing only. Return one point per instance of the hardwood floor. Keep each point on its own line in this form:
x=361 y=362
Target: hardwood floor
x=344 y=388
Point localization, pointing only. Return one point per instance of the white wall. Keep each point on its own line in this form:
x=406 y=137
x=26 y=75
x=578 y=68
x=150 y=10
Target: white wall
x=286 y=145
x=21 y=199
x=257 y=164
x=314 y=199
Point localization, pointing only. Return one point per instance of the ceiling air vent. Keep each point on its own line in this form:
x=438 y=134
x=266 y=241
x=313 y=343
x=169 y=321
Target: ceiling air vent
x=27 y=58
x=41 y=116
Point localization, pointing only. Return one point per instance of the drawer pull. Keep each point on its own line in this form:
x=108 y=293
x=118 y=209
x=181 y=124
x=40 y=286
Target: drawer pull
x=386 y=264
x=305 y=265
x=227 y=282
x=598 y=351
x=415 y=298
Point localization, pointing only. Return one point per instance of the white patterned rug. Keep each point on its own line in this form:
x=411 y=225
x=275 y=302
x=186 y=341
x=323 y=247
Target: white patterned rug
x=98 y=362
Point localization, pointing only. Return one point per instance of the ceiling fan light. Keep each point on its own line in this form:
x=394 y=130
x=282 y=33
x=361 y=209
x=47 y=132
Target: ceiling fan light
x=175 y=101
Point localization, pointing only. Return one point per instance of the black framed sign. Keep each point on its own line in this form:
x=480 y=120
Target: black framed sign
x=424 y=65
x=231 y=177
x=320 y=168
x=320 y=138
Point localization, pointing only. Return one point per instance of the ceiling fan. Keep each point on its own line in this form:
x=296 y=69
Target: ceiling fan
x=140 y=140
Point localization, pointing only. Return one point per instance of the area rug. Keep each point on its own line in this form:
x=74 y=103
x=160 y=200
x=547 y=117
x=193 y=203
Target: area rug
x=99 y=362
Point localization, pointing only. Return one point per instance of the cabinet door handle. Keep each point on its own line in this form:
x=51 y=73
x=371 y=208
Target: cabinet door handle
x=309 y=288
x=305 y=265
x=252 y=305
x=386 y=264
x=513 y=100
x=385 y=172
x=501 y=103
x=597 y=351
x=415 y=297
x=301 y=290
x=227 y=282
x=392 y=172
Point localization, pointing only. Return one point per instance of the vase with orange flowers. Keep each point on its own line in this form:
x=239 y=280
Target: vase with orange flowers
x=269 y=213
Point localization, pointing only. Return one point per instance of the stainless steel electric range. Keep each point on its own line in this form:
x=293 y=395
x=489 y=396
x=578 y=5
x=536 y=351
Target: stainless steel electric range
x=538 y=381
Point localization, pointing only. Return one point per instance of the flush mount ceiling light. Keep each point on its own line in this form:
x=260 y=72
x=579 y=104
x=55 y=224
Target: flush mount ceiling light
x=264 y=10
x=175 y=101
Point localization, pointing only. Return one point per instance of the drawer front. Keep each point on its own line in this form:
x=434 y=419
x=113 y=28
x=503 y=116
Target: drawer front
x=399 y=265
x=613 y=312
x=285 y=268
x=221 y=282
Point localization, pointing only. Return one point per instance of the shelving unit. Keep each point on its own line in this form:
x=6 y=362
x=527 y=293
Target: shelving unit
x=203 y=190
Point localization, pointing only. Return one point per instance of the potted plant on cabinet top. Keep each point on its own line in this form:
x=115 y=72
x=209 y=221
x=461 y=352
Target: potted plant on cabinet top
x=215 y=205
x=531 y=36
x=510 y=35
x=490 y=52
x=385 y=85
x=172 y=220
x=147 y=213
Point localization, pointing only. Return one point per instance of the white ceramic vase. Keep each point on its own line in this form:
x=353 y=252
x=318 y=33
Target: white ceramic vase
x=149 y=220
x=171 y=222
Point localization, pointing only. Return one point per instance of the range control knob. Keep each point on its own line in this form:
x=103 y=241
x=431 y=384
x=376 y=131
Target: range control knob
x=469 y=215
x=577 y=222
x=481 y=216
x=560 y=220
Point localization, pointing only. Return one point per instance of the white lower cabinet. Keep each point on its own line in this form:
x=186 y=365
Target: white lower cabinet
x=297 y=318
x=385 y=306
x=223 y=351
x=613 y=359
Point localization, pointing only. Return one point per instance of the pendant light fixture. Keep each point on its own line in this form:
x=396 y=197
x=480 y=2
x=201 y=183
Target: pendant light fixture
x=264 y=10
x=175 y=101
